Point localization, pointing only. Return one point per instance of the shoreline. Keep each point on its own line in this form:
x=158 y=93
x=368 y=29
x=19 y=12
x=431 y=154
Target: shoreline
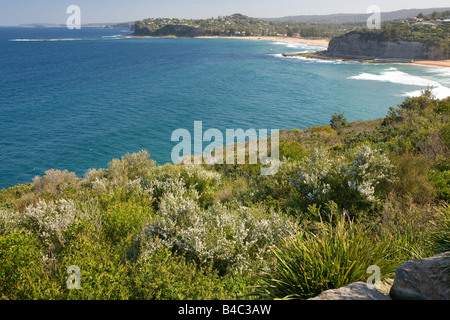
x=318 y=55
x=434 y=63
x=323 y=42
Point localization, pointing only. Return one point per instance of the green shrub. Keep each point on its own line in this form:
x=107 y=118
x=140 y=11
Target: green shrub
x=440 y=238
x=22 y=274
x=412 y=178
x=338 y=254
x=291 y=150
x=162 y=276
x=120 y=172
x=103 y=273
x=56 y=183
x=124 y=220
x=408 y=224
x=338 y=122
x=441 y=182
x=17 y=197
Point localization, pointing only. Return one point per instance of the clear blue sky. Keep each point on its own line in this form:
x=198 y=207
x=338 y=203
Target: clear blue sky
x=15 y=12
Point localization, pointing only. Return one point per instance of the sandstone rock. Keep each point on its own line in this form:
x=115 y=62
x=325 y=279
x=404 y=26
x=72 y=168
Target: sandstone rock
x=426 y=279
x=353 y=45
x=354 y=291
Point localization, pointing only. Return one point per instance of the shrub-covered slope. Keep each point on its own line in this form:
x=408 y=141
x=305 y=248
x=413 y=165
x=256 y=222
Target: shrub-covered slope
x=346 y=196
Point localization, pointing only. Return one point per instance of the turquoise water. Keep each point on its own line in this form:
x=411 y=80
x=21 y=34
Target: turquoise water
x=76 y=104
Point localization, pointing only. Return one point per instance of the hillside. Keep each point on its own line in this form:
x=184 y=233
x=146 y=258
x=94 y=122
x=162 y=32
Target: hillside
x=346 y=196
x=357 y=18
x=239 y=25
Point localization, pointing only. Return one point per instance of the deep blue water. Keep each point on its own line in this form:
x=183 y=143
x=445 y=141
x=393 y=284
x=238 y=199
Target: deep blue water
x=77 y=104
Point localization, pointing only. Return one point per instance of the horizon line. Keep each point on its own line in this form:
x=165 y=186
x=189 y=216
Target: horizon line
x=261 y=18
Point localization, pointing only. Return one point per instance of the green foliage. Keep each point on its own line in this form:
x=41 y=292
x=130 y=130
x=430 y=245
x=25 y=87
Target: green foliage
x=412 y=178
x=338 y=121
x=350 y=182
x=239 y=25
x=141 y=231
x=22 y=275
x=103 y=274
x=55 y=183
x=291 y=150
x=441 y=182
x=17 y=197
x=123 y=221
x=440 y=238
x=338 y=254
x=163 y=276
x=408 y=224
x=130 y=167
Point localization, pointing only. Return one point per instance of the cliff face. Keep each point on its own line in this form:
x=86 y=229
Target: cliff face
x=353 y=46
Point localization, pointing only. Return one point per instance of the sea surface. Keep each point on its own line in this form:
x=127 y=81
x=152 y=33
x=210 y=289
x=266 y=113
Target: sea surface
x=88 y=96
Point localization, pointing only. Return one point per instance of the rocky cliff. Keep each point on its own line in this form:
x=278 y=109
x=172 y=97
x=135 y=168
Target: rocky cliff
x=356 y=46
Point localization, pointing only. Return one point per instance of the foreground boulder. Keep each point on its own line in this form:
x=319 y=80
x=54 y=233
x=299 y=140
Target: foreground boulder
x=426 y=279
x=354 y=291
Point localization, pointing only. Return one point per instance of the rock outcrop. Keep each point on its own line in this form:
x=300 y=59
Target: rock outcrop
x=426 y=279
x=355 y=46
x=354 y=291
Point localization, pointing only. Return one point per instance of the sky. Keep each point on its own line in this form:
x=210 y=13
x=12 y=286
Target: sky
x=16 y=12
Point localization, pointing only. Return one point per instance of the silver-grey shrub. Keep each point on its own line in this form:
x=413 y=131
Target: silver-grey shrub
x=9 y=221
x=323 y=177
x=231 y=239
x=50 y=221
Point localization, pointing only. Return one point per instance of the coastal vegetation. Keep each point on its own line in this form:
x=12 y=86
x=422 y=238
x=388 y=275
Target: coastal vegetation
x=239 y=25
x=348 y=195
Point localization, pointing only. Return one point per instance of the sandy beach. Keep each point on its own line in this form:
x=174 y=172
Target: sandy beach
x=440 y=63
x=323 y=42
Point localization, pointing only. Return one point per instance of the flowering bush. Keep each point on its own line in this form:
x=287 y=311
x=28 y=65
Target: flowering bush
x=368 y=169
x=322 y=177
x=231 y=239
x=200 y=183
x=8 y=221
x=316 y=175
x=50 y=222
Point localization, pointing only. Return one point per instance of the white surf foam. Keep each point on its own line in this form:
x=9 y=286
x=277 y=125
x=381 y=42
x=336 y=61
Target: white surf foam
x=393 y=75
x=42 y=40
x=300 y=45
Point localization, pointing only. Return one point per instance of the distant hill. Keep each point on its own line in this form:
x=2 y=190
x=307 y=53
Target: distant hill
x=356 y=18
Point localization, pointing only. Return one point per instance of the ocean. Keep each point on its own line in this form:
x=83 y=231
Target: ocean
x=90 y=95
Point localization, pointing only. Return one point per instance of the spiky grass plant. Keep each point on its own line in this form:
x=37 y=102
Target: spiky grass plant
x=338 y=254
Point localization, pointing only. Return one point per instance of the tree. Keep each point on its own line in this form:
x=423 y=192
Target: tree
x=338 y=121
